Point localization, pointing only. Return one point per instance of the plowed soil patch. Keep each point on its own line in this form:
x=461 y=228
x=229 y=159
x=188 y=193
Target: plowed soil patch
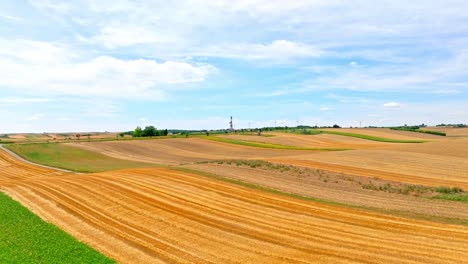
x=429 y=170
x=387 y=133
x=180 y=150
x=455 y=147
x=312 y=141
x=452 y=131
x=160 y=215
x=337 y=187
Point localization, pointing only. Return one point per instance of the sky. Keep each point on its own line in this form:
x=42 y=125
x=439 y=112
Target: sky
x=112 y=65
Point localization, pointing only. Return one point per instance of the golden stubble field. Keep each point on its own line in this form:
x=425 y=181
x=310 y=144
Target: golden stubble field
x=440 y=161
x=154 y=215
x=162 y=215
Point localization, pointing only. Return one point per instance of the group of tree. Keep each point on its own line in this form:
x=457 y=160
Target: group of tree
x=148 y=131
x=453 y=125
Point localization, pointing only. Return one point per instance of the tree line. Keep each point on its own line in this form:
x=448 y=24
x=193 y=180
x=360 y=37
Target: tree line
x=148 y=131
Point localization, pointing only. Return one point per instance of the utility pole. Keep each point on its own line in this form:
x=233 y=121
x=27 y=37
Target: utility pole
x=360 y=123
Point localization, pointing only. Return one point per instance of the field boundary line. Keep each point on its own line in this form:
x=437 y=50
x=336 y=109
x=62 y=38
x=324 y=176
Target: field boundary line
x=18 y=157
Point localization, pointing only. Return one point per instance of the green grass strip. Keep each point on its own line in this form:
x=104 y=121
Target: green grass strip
x=398 y=213
x=418 y=130
x=25 y=238
x=267 y=145
x=373 y=138
x=72 y=158
x=458 y=197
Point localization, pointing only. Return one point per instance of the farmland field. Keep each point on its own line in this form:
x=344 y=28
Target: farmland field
x=166 y=215
x=67 y=157
x=253 y=131
x=181 y=150
x=25 y=238
x=223 y=202
x=441 y=161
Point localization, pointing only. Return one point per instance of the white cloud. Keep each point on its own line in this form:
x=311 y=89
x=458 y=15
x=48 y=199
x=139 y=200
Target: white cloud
x=54 y=6
x=348 y=99
x=277 y=51
x=355 y=64
x=55 y=70
x=124 y=36
x=445 y=91
x=21 y=100
x=431 y=76
x=324 y=109
x=392 y=105
x=10 y=18
x=36 y=117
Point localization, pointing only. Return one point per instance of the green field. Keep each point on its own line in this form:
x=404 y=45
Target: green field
x=267 y=145
x=71 y=158
x=25 y=238
x=373 y=138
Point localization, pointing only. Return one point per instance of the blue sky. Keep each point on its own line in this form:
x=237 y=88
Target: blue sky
x=112 y=65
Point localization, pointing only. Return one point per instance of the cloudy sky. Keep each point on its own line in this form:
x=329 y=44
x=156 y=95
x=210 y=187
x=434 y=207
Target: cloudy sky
x=110 y=65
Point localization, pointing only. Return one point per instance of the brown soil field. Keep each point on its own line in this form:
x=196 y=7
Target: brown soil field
x=451 y=131
x=409 y=167
x=337 y=187
x=45 y=137
x=161 y=215
x=387 y=133
x=437 y=163
x=456 y=147
x=182 y=150
x=17 y=136
x=312 y=141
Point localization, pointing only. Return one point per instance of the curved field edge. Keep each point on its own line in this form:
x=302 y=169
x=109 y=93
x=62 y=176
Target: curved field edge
x=264 y=188
x=71 y=158
x=25 y=238
x=159 y=214
x=373 y=138
x=399 y=213
x=267 y=145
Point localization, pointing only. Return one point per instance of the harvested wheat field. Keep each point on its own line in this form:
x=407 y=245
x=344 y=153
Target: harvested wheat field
x=162 y=215
x=338 y=187
x=441 y=162
x=312 y=141
x=387 y=133
x=451 y=131
x=181 y=150
x=409 y=167
x=450 y=146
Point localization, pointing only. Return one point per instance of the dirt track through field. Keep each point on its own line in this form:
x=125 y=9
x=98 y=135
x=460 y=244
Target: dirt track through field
x=160 y=215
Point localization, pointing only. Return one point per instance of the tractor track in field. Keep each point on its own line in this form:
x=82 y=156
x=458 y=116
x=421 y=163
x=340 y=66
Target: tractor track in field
x=157 y=215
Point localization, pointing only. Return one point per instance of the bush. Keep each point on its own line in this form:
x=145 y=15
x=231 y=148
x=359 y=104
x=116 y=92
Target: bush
x=447 y=190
